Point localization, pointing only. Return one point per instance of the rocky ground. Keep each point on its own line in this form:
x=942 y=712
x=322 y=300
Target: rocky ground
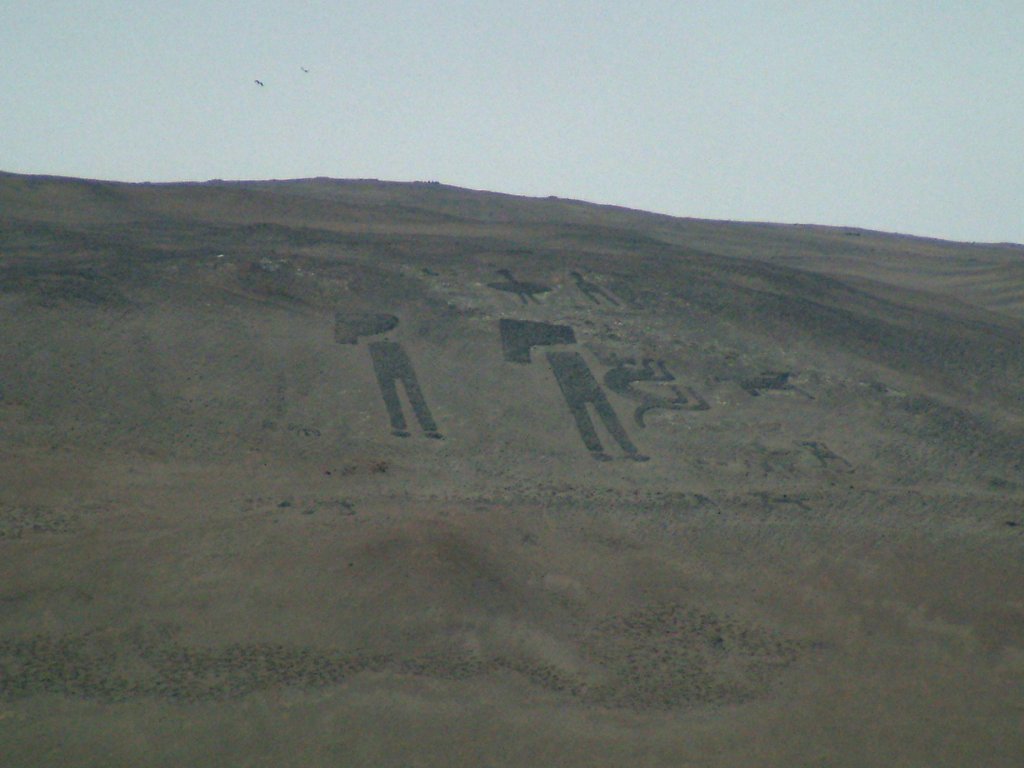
x=360 y=473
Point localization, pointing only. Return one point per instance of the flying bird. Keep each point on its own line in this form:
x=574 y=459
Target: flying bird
x=304 y=69
x=259 y=83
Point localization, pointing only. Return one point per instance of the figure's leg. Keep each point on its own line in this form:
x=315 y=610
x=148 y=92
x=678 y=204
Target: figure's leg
x=577 y=384
x=579 y=387
x=419 y=404
x=615 y=429
x=608 y=296
x=385 y=361
x=586 y=428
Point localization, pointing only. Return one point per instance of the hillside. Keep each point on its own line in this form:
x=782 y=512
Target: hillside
x=368 y=473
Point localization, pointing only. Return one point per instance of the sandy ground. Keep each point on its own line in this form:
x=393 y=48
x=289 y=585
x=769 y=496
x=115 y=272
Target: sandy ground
x=325 y=473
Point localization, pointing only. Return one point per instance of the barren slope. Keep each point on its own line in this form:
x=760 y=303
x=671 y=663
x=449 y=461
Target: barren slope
x=364 y=473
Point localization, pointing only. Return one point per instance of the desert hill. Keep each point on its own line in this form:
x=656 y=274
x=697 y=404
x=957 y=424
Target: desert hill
x=370 y=473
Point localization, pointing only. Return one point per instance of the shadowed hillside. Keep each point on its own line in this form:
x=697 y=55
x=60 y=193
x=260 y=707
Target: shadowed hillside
x=365 y=473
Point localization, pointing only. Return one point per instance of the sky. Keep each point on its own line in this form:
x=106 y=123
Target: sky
x=903 y=116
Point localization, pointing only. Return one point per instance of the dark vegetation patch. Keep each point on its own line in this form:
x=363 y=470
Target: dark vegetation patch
x=73 y=285
x=669 y=656
x=657 y=658
x=19 y=521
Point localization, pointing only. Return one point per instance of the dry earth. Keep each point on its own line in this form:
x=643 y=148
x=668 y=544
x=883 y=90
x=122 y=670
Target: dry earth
x=355 y=473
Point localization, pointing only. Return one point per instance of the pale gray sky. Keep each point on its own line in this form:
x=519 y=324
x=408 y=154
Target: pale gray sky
x=903 y=116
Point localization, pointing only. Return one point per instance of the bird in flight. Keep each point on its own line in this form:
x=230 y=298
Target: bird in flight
x=259 y=83
x=304 y=70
